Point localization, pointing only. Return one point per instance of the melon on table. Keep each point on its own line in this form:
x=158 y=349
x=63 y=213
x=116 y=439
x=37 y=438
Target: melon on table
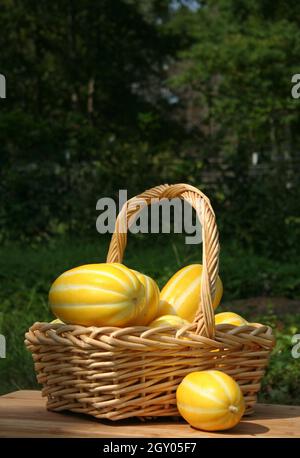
x=210 y=400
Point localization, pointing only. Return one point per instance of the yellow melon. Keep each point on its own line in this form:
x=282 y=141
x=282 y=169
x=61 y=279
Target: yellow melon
x=97 y=295
x=149 y=307
x=230 y=318
x=169 y=320
x=57 y=321
x=181 y=294
x=210 y=400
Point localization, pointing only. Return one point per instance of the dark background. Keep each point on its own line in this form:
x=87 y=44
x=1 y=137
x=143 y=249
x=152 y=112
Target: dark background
x=128 y=94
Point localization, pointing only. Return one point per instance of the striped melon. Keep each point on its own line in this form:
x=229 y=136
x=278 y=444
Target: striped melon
x=149 y=308
x=210 y=400
x=181 y=294
x=56 y=321
x=97 y=295
x=169 y=320
x=230 y=318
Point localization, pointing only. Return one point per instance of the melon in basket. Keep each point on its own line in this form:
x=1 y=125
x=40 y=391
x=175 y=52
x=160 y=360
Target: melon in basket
x=107 y=294
x=180 y=295
x=230 y=318
x=169 y=320
x=150 y=303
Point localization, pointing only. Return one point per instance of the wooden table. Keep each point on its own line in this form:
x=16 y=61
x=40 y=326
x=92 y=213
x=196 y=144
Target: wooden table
x=23 y=414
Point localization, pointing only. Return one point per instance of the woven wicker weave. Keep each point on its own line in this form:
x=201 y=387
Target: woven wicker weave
x=117 y=373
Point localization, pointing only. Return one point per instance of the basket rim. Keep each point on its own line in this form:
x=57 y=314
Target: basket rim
x=143 y=337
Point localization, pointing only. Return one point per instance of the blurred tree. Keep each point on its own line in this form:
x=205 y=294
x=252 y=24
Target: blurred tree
x=234 y=80
x=128 y=94
x=85 y=111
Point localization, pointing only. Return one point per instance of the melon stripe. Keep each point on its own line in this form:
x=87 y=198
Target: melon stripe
x=214 y=424
x=147 y=287
x=200 y=410
x=115 y=304
x=149 y=307
x=197 y=389
x=63 y=288
x=188 y=292
x=172 y=286
x=96 y=272
x=223 y=384
x=128 y=274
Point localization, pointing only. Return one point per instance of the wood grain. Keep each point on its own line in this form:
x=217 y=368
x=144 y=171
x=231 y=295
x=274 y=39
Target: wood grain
x=23 y=414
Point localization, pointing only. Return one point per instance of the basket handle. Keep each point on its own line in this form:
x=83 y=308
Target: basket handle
x=204 y=319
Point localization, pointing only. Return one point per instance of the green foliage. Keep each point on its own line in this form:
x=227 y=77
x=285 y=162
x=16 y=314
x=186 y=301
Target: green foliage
x=127 y=94
x=80 y=120
x=247 y=274
x=235 y=74
x=282 y=380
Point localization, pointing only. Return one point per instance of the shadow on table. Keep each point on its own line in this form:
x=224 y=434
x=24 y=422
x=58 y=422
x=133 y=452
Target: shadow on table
x=245 y=428
x=273 y=411
x=262 y=412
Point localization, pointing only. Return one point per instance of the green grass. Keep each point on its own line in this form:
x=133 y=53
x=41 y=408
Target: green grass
x=281 y=384
x=26 y=273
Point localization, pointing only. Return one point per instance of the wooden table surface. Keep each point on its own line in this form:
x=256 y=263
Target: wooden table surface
x=23 y=414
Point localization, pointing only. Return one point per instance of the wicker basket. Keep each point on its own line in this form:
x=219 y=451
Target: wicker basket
x=116 y=373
